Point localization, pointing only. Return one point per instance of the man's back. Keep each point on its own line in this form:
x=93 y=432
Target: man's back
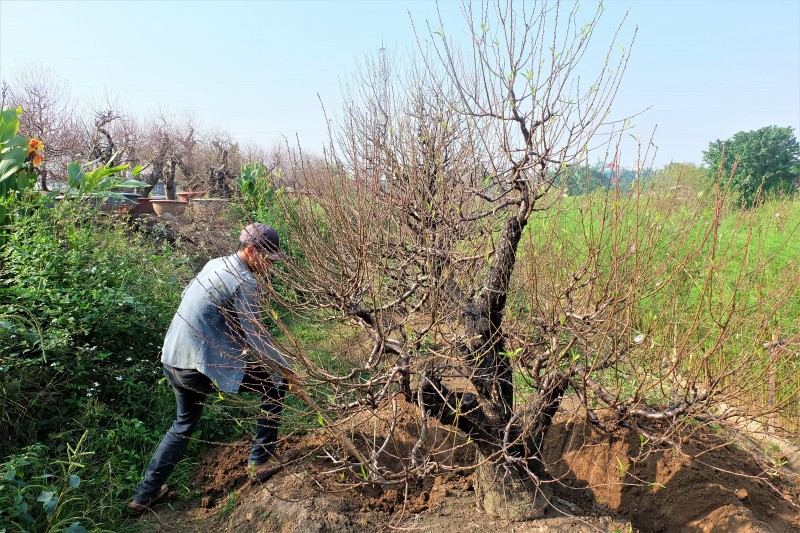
x=206 y=332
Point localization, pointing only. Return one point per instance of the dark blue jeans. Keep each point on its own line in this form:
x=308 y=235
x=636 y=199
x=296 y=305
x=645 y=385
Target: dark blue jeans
x=191 y=389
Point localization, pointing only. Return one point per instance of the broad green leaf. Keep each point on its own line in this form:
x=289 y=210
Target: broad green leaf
x=102 y=172
x=74 y=175
x=17 y=142
x=26 y=180
x=45 y=496
x=74 y=481
x=130 y=184
x=113 y=157
x=49 y=501
x=9 y=124
x=115 y=170
x=12 y=161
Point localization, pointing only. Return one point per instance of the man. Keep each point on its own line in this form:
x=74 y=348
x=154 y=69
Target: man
x=216 y=342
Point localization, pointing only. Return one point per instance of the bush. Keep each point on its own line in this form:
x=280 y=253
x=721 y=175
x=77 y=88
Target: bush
x=85 y=303
x=85 y=315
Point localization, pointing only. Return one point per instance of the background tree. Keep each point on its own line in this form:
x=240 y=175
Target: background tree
x=767 y=160
x=222 y=161
x=171 y=146
x=48 y=115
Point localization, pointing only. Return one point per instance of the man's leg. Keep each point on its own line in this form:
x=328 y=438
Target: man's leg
x=257 y=379
x=191 y=388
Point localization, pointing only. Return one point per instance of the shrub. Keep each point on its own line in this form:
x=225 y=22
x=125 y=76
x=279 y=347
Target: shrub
x=87 y=303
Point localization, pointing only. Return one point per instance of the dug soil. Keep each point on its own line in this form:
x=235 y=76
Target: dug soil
x=597 y=486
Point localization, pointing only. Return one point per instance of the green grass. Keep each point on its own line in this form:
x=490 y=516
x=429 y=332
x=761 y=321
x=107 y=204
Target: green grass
x=692 y=289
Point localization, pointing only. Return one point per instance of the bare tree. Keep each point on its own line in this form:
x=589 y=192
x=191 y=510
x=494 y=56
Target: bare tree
x=223 y=160
x=171 y=146
x=437 y=228
x=48 y=115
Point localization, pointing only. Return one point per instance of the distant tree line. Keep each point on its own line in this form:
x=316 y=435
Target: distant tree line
x=583 y=179
x=177 y=151
x=174 y=150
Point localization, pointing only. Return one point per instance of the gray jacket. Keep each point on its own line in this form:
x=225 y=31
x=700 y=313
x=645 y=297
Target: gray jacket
x=217 y=323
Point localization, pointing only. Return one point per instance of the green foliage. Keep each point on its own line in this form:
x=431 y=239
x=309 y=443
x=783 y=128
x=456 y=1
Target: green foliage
x=702 y=285
x=101 y=181
x=229 y=505
x=17 y=156
x=263 y=202
x=34 y=499
x=765 y=160
x=85 y=303
x=575 y=180
x=84 y=313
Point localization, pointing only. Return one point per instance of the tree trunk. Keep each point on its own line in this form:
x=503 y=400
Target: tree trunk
x=510 y=487
x=508 y=492
x=169 y=180
x=43 y=180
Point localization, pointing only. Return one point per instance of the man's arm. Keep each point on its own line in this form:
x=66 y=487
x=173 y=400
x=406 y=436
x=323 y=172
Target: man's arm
x=256 y=336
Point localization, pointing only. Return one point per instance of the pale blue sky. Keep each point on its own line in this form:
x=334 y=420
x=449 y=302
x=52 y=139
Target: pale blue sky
x=707 y=68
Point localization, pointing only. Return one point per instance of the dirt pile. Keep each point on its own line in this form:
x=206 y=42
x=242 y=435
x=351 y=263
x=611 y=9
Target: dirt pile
x=722 y=489
x=597 y=487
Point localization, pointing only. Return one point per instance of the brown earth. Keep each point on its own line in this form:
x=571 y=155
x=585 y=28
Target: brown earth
x=597 y=487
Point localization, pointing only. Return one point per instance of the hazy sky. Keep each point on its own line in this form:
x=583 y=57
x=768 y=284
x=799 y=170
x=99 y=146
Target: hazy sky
x=706 y=69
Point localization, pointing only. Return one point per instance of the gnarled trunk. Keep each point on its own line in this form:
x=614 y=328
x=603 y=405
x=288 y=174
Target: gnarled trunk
x=508 y=492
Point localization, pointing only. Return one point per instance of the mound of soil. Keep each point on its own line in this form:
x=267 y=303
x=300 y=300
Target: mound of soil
x=597 y=487
x=706 y=486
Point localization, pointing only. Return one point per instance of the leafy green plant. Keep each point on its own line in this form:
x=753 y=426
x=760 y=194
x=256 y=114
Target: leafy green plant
x=229 y=505
x=33 y=499
x=85 y=303
x=102 y=181
x=757 y=162
x=18 y=157
x=256 y=187
x=265 y=201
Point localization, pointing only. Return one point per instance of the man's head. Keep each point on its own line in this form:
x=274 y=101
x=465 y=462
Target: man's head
x=259 y=246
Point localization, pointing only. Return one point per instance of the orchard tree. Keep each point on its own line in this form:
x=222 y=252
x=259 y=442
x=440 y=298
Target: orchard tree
x=48 y=114
x=222 y=158
x=766 y=160
x=171 y=146
x=438 y=228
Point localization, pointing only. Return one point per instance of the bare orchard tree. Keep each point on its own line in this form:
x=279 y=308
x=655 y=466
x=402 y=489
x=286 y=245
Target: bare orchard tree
x=171 y=146
x=437 y=229
x=103 y=147
x=48 y=115
x=439 y=176
x=108 y=132
x=222 y=162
